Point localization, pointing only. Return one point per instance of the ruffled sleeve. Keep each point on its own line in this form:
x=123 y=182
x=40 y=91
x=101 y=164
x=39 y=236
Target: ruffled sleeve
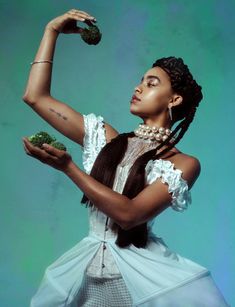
x=94 y=139
x=164 y=169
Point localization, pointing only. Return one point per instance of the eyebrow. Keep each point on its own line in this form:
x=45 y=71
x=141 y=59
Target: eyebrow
x=151 y=77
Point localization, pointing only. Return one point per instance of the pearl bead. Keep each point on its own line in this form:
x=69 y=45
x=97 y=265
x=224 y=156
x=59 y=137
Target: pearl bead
x=161 y=130
x=168 y=131
x=152 y=133
x=159 y=137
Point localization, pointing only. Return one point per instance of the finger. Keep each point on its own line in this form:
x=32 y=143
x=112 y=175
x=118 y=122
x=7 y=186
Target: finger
x=82 y=18
x=44 y=157
x=45 y=153
x=81 y=12
x=29 y=153
x=27 y=144
x=26 y=150
x=78 y=11
x=30 y=146
x=88 y=22
x=75 y=17
x=80 y=15
x=78 y=30
x=35 y=151
x=53 y=151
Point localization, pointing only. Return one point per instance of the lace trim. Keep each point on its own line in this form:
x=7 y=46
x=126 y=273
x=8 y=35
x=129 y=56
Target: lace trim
x=94 y=139
x=164 y=169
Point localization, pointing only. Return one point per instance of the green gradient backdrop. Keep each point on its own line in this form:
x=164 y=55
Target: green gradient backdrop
x=41 y=216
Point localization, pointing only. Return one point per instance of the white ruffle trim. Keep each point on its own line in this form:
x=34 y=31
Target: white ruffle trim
x=165 y=170
x=94 y=139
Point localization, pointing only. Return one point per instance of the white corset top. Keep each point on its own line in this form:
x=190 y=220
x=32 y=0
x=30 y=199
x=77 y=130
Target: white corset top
x=103 y=264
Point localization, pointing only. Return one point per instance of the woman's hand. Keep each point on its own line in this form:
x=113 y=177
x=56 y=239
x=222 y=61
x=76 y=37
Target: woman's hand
x=50 y=155
x=67 y=23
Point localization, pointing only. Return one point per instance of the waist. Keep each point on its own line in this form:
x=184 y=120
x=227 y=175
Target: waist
x=109 y=237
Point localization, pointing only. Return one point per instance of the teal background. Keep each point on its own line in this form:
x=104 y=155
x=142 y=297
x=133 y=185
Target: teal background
x=41 y=216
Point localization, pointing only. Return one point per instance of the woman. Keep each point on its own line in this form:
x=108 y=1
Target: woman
x=130 y=178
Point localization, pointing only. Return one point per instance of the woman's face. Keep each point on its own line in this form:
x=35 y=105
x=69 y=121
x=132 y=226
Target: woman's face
x=154 y=92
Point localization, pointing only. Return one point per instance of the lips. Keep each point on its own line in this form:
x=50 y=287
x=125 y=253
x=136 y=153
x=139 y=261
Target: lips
x=135 y=98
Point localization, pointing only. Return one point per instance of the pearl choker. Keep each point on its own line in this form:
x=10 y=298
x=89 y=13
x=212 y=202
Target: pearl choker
x=159 y=134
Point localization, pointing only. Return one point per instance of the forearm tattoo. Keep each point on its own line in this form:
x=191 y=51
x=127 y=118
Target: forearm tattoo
x=59 y=114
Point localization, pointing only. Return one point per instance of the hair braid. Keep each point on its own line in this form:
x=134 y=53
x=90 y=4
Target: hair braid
x=183 y=125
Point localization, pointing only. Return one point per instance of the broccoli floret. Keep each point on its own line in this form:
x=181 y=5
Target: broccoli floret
x=91 y=35
x=40 y=138
x=58 y=145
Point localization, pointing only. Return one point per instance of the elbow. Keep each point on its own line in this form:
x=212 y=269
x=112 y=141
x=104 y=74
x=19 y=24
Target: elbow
x=27 y=99
x=126 y=222
x=24 y=98
x=126 y=226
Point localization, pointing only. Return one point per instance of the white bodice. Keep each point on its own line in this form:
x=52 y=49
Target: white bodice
x=103 y=264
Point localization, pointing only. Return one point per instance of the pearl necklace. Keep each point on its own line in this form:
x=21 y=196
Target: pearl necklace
x=159 y=134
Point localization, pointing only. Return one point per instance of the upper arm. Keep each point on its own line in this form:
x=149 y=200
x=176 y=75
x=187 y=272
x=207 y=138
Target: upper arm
x=155 y=197
x=110 y=132
x=190 y=167
x=64 y=118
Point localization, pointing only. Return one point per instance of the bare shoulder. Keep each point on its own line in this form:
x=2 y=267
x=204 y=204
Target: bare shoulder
x=189 y=165
x=110 y=132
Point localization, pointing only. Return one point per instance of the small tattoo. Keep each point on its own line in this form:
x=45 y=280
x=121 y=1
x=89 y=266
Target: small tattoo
x=59 y=114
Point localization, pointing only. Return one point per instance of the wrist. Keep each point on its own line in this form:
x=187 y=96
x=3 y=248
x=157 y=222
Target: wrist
x=69 y=169
x=50 y=31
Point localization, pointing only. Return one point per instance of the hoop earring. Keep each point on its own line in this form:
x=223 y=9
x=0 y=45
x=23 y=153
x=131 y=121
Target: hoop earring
x=170 y=113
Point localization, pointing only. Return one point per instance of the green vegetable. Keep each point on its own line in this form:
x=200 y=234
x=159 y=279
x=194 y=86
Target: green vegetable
x=58 y=145
x=91 y=35
x=43 y=137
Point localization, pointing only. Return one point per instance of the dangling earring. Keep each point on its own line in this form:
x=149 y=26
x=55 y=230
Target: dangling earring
x=170 y=112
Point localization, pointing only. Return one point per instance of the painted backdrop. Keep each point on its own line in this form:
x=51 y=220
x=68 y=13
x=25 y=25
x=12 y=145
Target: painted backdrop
x=41 y=215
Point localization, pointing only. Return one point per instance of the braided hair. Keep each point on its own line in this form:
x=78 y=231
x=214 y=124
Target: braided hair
x=104 y=167
x=182 y=83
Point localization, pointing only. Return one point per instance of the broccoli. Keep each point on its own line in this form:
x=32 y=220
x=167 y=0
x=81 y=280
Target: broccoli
x=58 y=145
x=91 y=35
x=43 y=137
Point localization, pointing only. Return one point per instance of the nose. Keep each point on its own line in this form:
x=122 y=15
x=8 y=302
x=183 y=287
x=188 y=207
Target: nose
x=137 y=88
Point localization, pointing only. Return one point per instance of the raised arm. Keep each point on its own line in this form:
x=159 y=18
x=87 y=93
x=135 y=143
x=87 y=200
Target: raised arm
x=38 y=90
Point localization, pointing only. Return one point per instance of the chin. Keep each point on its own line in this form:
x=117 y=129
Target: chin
x=136 y=111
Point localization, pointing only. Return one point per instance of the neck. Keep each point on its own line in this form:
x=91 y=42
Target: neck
x=158 y=121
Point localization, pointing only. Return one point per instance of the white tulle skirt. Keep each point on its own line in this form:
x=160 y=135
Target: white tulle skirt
x=153 y=276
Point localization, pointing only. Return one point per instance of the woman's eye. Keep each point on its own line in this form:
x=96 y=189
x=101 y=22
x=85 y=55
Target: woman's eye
x=151 y=84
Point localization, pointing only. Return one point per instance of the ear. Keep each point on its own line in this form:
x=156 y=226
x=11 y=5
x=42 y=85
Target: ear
x=176 y=100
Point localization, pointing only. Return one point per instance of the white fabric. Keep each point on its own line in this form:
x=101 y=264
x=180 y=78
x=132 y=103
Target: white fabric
x=103 y=292
x=154 y=276
x=103 y=265
x=165 y=170
x=93 y=141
